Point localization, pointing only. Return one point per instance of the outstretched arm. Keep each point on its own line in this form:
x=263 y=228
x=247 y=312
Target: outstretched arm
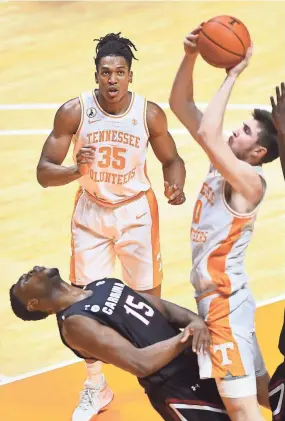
x=278 y=113
x=240 y=175
x=165 y=150
x=181 y=99
x=183 y=318
x=95 y=341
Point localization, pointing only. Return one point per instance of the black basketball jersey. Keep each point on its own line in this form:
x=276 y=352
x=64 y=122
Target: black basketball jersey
x=117 y=306
x=282 y=339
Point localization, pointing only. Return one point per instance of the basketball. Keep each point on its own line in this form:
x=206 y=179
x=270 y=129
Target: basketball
x=223 y=41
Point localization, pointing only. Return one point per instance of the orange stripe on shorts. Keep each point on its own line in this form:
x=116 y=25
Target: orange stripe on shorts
x=72 y=258
x=156 y=256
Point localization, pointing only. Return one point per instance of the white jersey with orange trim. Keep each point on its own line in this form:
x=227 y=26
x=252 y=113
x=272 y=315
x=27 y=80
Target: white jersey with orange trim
x=219 y=238
x=118 y=171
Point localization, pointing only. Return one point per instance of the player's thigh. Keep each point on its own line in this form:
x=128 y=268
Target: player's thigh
x=245 y=408
x=138 y=246
x=92 y=246
x=232 y=351
x=276 y=393
x=174 y=409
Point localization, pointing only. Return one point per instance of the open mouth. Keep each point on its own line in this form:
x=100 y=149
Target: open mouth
x=113 y=92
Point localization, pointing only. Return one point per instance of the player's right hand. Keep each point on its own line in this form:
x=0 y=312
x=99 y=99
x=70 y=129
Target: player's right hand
x=85 y=157
x=278 y=108
x=190 y=41
x=239 y=68
x=198 y=329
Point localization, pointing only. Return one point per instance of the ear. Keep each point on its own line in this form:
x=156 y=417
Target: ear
x=96 y=77
x=259 y=152
x=32 y=304
x=130 y=76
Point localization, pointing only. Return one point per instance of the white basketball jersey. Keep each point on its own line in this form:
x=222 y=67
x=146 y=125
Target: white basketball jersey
x=118 y=171
x=219 y=238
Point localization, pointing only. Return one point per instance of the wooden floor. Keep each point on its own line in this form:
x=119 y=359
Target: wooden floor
x=47 y=57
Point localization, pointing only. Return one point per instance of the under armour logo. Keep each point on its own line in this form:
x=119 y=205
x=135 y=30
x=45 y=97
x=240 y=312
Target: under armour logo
x=195 y=387
x=95 y=309
x=100 y=283
x=87 y=307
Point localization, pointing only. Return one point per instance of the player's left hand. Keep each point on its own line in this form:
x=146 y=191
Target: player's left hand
x=201 y=337
x=174 y=193
x=239 y=68
x=278 y=108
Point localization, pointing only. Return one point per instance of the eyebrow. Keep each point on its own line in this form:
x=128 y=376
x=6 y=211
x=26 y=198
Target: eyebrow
x=247 y=127
x=118 y=67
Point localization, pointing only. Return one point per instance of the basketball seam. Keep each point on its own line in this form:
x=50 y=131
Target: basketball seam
x=223 y=48
x=232 y=32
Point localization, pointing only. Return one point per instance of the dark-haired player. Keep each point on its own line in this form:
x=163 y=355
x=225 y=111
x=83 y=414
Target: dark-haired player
x=222 y=227
x=115 y=211
x=138 y=333
x=277 y=382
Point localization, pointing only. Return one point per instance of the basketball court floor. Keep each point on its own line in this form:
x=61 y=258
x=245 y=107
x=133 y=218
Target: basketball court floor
x=47 y=58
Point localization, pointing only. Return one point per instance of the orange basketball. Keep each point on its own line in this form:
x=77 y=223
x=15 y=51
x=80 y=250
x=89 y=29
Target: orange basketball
x=223 y=41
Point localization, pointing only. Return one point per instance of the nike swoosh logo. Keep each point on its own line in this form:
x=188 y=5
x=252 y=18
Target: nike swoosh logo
x=93 y=121
x=140 y=216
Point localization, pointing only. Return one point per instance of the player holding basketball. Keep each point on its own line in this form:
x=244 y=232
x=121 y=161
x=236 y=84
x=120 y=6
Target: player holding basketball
x=116 y=212
x=277 y=382
x=222 y=226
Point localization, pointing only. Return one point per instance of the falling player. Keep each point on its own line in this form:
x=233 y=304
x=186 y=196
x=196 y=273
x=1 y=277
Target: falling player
x=138 y=333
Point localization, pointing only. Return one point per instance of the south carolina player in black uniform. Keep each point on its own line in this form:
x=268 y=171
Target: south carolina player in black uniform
x=277 y=384
x=138 y=333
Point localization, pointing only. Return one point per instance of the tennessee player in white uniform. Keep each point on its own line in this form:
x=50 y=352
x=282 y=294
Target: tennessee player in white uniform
x=115 y=211
x=122 y=216
x=222 y=226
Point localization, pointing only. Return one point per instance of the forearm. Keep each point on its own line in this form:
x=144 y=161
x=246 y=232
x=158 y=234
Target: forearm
x=281 y=147
x=181 y=100
x=177 y=315
x=213 y=118
x=154 y=357
x=174 y=172
x=49 y=174
x=183 y=83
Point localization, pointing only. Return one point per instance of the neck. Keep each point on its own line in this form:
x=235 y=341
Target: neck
x=66 y=295
x=115 y=108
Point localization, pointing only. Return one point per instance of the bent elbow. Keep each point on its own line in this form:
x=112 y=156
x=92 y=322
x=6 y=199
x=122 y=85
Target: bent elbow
x=41 y=179
x=143 y=368
x=203 y=134
x=172 y=104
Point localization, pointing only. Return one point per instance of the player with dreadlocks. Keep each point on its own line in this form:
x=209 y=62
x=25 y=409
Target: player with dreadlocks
x=116 y=212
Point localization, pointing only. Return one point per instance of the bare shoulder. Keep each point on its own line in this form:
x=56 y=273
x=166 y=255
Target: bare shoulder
x=154 y=111
x=68 y=117
x=76 y=325
x=155 y=117
x=71 y=108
